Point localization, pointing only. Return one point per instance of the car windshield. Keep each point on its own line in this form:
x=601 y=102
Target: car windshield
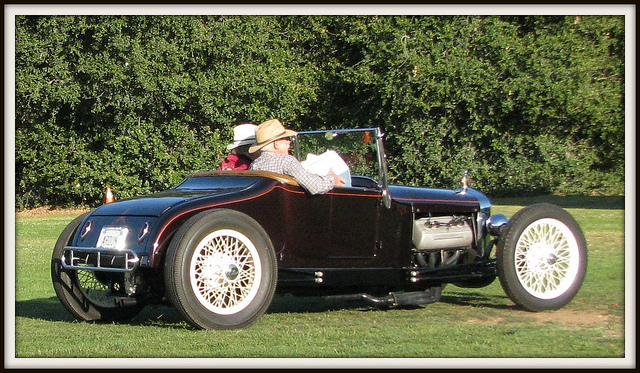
x=355 y=147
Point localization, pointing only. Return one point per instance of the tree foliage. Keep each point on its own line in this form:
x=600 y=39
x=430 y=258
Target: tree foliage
x=527 y=104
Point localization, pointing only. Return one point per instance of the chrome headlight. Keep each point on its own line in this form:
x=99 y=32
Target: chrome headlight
x=495 y=224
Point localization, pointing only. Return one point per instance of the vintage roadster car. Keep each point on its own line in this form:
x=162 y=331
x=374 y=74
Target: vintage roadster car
x=219 y=245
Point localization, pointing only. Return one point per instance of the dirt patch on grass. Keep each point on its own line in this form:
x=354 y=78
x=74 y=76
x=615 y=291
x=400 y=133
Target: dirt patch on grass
x=613 y=323
x=50 y=210
x=573 y=317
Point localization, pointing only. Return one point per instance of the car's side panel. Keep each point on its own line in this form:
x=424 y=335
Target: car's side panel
x=395 y=235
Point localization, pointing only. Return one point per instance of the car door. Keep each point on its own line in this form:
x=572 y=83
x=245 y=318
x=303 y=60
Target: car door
x=353 y=222
x=336 y=229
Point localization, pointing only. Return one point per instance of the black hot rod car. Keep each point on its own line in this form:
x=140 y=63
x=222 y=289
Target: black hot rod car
x=219 y=245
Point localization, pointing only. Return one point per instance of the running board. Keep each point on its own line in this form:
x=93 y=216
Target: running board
x=414 y=298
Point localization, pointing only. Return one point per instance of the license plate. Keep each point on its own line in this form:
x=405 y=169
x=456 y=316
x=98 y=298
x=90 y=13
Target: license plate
x=112 y=238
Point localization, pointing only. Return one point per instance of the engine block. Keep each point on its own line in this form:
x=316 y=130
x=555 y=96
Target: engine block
x=442 y=232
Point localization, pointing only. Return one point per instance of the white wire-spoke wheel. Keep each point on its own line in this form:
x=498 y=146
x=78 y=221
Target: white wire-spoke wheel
x=541 y=257
x=101 y=288
x=220 y=270
x=547 y=258
x=225 y=271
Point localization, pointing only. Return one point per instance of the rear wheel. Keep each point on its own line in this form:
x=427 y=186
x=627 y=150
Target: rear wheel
x=88 y=295
x=220 y=270
x=542 y=257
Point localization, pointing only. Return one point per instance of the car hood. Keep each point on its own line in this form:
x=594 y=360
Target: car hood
x=220 y=186
x=425 y=199
x=152 y=204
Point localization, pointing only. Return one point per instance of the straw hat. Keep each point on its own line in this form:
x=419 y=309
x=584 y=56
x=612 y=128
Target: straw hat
x=243 y=134
x=268 y=132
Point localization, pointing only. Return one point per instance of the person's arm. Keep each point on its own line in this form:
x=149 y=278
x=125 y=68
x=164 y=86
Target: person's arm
x=338 y=181
x=314 y=184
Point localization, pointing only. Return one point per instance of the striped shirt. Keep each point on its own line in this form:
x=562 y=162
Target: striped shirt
x=288 y=165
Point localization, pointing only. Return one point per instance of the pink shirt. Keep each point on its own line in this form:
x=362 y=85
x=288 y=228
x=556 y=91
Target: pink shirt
x=234 y=162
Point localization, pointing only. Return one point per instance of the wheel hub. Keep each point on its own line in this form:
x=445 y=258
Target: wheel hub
x=539 y=258
x=215 y=270
x=232 y=272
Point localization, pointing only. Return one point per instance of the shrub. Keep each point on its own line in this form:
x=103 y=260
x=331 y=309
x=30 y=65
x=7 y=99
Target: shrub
x=527 y=104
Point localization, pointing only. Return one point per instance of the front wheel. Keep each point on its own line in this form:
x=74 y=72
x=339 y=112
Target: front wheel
x=541 y=257
x=220 y=270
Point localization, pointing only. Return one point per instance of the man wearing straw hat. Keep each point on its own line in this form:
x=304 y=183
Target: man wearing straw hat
x=272 y=140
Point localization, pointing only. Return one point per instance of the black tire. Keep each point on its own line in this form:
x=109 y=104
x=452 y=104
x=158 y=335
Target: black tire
x=541 y=257
x=88 y=296
x=220 y=270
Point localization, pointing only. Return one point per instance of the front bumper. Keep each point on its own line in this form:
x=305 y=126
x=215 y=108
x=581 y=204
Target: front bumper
x=99 y=259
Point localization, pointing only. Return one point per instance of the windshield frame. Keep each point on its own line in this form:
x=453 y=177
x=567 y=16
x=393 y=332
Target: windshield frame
x=380 y=153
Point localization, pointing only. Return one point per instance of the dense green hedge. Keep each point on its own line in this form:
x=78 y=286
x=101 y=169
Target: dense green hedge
x=527 y=104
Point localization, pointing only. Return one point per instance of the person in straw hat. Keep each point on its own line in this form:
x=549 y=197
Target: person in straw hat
x=239 y=157
x=272 y=141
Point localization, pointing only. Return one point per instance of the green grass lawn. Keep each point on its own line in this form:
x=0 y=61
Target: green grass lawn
x=481 y=326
